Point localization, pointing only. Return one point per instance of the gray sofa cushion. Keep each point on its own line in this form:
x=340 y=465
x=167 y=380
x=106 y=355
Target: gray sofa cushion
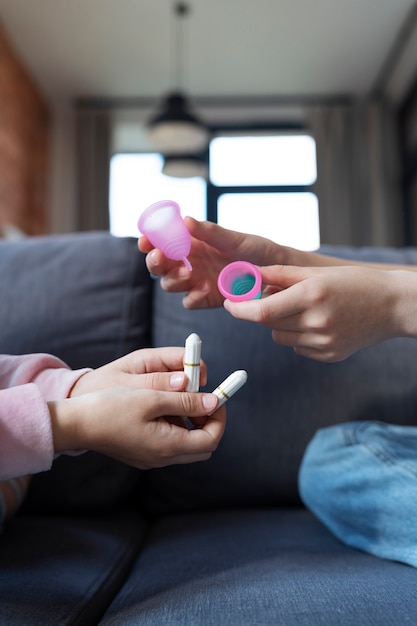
x=65 y=570
x=286 y=399
x=84 y=297
x=258 y=567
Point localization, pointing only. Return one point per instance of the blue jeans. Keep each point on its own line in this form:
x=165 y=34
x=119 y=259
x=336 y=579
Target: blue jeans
x=360 y=479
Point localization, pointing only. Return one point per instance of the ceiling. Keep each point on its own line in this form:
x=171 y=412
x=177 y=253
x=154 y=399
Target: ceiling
x=267 y=48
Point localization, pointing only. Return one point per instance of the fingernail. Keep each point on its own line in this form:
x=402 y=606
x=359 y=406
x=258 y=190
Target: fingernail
x=209 y=401
x=177 y=380
x=152 y=257
x=183 y=272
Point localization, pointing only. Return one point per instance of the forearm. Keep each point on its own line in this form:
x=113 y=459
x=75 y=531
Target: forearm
x=291 y=256
x=276 y=254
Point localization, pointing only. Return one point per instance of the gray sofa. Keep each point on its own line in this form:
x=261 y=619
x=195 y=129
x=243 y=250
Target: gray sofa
x=222 y=542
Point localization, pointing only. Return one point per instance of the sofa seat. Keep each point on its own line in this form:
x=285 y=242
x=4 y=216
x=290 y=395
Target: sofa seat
x=57 y=570
x=259 y=567
x=224 y=542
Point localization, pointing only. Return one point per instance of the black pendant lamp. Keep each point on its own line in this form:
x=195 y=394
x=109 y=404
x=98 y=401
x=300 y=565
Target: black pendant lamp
x=175 y=129
x=185 y=166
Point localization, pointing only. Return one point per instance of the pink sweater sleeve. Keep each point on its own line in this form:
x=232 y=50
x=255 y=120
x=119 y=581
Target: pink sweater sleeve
x=26 y=384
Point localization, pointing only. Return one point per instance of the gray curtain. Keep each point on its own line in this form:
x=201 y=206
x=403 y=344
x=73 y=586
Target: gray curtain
x=357 y=183
x=93 y=167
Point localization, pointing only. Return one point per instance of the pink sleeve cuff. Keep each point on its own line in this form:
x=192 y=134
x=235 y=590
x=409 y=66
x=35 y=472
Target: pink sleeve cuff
x=53 y=377
x=26 y=444
x=27 y=383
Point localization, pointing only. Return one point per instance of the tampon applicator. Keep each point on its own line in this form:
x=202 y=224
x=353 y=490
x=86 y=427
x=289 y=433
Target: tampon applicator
x=164 y=227
x=240 y=281
x=192 y=356
x=228 y=387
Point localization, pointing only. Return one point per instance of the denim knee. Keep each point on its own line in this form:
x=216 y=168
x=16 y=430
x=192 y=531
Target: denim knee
x=360 y=479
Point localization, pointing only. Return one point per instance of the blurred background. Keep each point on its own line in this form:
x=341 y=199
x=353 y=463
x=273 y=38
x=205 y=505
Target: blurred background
x=290 y=118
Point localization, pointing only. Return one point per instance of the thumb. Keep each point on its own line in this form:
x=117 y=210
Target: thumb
x=211 y=233
x=284 y=276
x=184 y=404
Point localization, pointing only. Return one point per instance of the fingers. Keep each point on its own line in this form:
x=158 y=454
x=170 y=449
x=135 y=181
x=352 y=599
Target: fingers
x=206 y=233
x=163 y=381
x=172 y=272
x=159 y=368
x=148 y=360
x=200 y=443
x=174 y=275
x=178 y=444
x=289 y=293
x=222 y=239
x=148 y=368
x=159 y=265
x=198 y=297
x=303 y=342
x=144 y=244
x=284 y=276
x=268 y=311
x=184 y=404
x=166 y=381
x=329 y=356
x=211 y=233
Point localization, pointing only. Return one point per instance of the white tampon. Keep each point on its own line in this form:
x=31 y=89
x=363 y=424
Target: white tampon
x=192 y=358
x=228 y=387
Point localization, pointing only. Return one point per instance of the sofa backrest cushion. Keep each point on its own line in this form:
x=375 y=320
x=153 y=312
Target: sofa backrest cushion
x=86 y=298
x=83 y=297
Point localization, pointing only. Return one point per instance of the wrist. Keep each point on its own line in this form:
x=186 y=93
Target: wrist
x=80 y=385
x=285 y=255
x=405 y=307
x=66 y=431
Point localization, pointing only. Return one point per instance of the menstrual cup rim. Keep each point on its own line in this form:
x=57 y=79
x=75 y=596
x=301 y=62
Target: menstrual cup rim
x=248 y=268
x=155 y=207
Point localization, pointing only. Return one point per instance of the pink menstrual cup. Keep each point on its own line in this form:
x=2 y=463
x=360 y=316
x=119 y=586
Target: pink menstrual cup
x=240 y=281
x=164 y=227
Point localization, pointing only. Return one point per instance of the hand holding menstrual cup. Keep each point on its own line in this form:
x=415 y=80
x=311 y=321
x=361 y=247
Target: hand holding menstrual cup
x=164 y=227
x=240 y=281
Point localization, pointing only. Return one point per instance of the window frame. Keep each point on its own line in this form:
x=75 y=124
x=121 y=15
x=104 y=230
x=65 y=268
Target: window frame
x=215 y=191
x=266 y=128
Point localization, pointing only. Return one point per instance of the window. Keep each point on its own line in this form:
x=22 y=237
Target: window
x=262 y=184
x=136 y=182
x=263 y=160
x=259 y=183
x=287 y=218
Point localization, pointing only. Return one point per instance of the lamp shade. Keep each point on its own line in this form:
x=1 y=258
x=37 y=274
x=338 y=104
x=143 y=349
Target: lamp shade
x=185 y=166
x=175 y=129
